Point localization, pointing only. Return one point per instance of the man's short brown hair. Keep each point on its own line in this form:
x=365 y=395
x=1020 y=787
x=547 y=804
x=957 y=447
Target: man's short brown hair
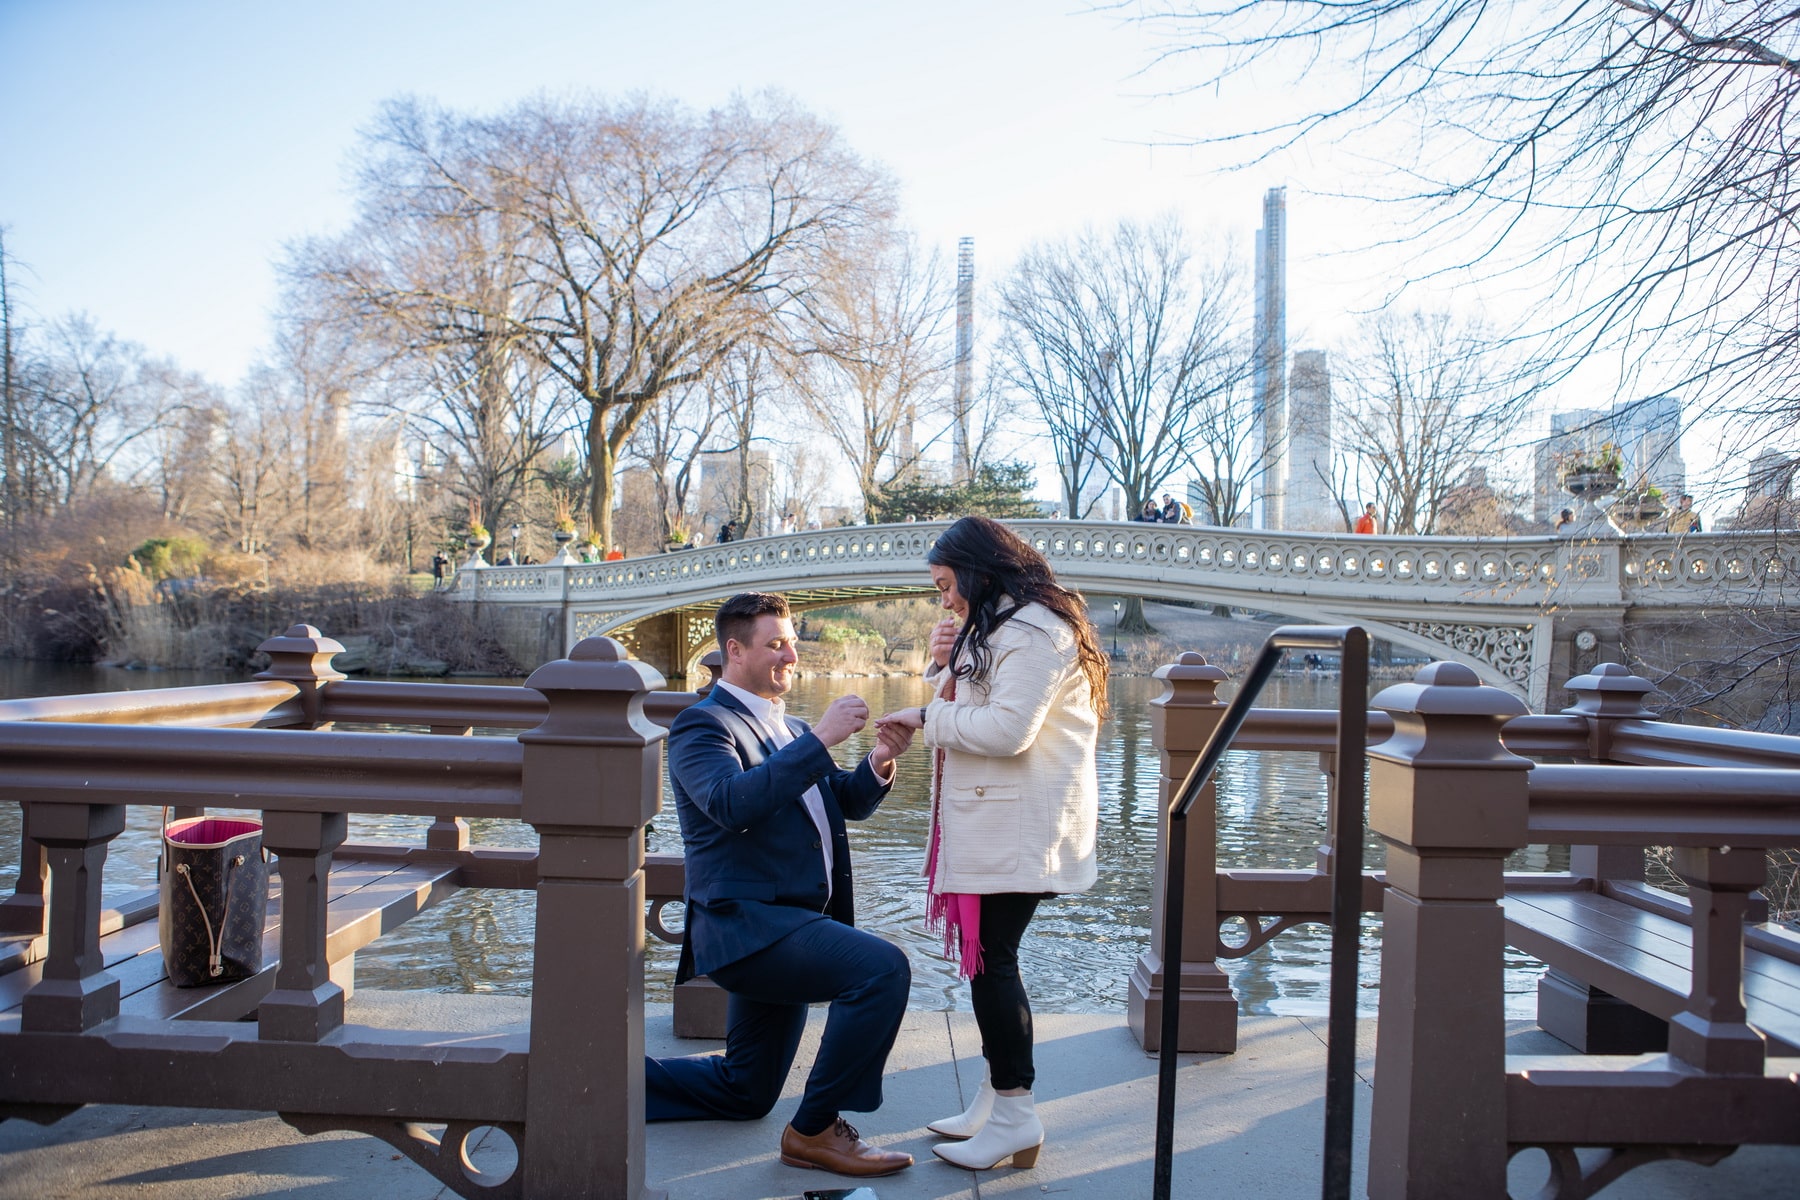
x=736 y=618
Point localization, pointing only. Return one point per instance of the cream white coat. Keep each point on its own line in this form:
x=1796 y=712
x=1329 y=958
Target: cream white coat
x=1020 y=791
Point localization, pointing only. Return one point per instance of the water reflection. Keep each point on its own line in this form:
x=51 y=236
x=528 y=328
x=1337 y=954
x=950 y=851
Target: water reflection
x=1080 y=950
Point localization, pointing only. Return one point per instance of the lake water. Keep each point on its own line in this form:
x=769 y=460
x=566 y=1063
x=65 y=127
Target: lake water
x=1077 y=956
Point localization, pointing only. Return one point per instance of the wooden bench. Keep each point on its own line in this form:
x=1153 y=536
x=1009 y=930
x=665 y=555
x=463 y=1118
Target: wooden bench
x=366 y=900
x=1635 y=943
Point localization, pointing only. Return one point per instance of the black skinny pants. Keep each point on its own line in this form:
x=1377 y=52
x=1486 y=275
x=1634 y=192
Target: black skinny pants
x=1002 y=1009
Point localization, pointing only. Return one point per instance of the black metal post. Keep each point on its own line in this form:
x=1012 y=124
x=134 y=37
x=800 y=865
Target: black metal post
x=1346 y=902
x=1115 y=629
x=1346 y=912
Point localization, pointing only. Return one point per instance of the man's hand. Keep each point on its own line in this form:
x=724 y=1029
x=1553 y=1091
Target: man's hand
x=847 y=715
x=892 y=739
x=943 y=640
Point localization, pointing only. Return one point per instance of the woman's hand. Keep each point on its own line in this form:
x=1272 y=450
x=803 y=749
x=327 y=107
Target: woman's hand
x=910 y=718
x=943 y=640
x=892 y=739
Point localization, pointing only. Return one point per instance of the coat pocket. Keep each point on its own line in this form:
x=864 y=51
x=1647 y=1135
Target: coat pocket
x=983 y=828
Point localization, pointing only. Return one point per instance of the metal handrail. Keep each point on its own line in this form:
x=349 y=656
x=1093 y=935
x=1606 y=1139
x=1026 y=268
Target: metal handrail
x=1352 y=643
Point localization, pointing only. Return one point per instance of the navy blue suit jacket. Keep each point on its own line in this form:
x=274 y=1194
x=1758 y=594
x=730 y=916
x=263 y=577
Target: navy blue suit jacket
x=755 y=872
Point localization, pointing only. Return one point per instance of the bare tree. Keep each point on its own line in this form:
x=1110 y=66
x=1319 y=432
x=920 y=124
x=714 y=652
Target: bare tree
x=13 y=386
x=180 y=447
x=999 y=422
x=646 y=236
x=92 y=405
x=1125 y=341
x=879 y=360
x=1227 y=453
x=668 y=443
x=743 y=381
x=1420 y=415
x=254 y=485
x=1627 y=164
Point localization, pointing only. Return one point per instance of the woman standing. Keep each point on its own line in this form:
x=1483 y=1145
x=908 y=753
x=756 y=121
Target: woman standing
x=1020 y=693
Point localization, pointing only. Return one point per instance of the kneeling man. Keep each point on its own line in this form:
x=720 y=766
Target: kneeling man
x=770 y=906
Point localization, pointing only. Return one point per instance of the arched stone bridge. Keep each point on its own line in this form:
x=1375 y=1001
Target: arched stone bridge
x=1523 y=612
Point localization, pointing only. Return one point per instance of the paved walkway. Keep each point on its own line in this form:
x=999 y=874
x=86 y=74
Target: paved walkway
x=1251 y=1126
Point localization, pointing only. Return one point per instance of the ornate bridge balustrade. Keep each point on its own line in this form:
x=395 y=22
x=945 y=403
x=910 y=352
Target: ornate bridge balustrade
x=1511 y=609
x=585 y=773
x=1455 y=787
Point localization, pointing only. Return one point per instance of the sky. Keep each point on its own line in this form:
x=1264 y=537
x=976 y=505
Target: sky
x=156 y=158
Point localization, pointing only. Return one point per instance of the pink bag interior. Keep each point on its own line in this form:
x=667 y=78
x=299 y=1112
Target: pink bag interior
x=210 y=831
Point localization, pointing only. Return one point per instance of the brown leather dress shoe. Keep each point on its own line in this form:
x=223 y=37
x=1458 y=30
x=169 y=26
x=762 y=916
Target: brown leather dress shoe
x=841 y=1150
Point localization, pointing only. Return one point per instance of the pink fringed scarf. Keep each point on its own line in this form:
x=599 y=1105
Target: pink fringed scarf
x=957 y=913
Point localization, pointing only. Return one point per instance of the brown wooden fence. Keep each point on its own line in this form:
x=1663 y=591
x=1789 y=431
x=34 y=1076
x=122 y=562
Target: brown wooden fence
x=1684 y=1002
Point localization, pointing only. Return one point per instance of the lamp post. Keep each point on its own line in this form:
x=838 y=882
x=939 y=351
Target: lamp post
x=517 y=529
x=1116 y=607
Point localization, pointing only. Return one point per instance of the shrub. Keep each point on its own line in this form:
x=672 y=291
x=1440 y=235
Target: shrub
x=162 y=558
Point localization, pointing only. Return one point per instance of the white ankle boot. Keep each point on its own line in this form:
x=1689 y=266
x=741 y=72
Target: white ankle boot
x=1012 y=1130
x=968 y=1123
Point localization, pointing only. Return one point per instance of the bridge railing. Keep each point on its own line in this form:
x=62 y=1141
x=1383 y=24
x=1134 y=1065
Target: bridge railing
x=1453 y=792
x=585 y=773
x=1639 y=569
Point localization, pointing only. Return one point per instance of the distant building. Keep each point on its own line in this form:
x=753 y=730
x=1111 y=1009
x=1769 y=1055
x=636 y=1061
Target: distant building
x=1310 y=500
x=722 y=485
x=1771 y=475
x=1647 y=433
x=1768 y=501
x=1269 y=366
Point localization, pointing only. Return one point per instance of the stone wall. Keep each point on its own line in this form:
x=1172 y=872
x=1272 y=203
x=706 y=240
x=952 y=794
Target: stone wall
x=531 y=634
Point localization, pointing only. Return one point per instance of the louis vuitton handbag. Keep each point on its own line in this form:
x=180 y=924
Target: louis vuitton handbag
x=214 y=898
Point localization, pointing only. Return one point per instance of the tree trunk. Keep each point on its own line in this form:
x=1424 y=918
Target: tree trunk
x=1132 y=619
x=600 y=469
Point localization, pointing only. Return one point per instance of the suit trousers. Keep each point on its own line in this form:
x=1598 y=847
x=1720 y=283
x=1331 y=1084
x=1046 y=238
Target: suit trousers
x=865 y=980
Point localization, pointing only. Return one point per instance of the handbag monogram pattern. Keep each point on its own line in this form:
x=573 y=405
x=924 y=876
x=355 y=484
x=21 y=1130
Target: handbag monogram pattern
x=214 y=898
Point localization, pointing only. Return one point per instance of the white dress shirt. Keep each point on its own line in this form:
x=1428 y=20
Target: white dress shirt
x=771 y=717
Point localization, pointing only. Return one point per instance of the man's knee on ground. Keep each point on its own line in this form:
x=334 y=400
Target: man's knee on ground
x=755 y=1103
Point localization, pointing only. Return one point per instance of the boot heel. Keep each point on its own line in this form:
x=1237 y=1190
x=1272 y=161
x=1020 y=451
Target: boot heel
x=1025 y=1159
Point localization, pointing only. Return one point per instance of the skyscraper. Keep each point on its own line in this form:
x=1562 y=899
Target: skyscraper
x=1270 y=364
x=1310 y=500
x=961 y=469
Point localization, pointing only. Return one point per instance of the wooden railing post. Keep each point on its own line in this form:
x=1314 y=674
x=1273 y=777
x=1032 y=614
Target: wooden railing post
x=24 y=911
x=1584 y=1016
x=305 y=1005
x=1451 y=803
x=1710 y=1034
x=592 y=778
x=701 y=1006
x=302 y=656
x=76 y=992
x=1181 y=720
x=449 y=833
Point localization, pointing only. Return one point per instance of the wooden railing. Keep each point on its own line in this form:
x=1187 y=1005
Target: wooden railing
x=585 y=773
x=1453 y=792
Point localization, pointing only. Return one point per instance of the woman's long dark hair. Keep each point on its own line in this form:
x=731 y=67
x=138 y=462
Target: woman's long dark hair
x=990 y=561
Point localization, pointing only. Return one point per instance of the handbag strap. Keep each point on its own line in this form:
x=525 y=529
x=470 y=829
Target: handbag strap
x=215 y=961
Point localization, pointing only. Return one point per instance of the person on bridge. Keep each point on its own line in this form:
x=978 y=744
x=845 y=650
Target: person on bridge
x=1366 y=522
x=1020 y=693
x=770 y=907
x=1684 y=519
